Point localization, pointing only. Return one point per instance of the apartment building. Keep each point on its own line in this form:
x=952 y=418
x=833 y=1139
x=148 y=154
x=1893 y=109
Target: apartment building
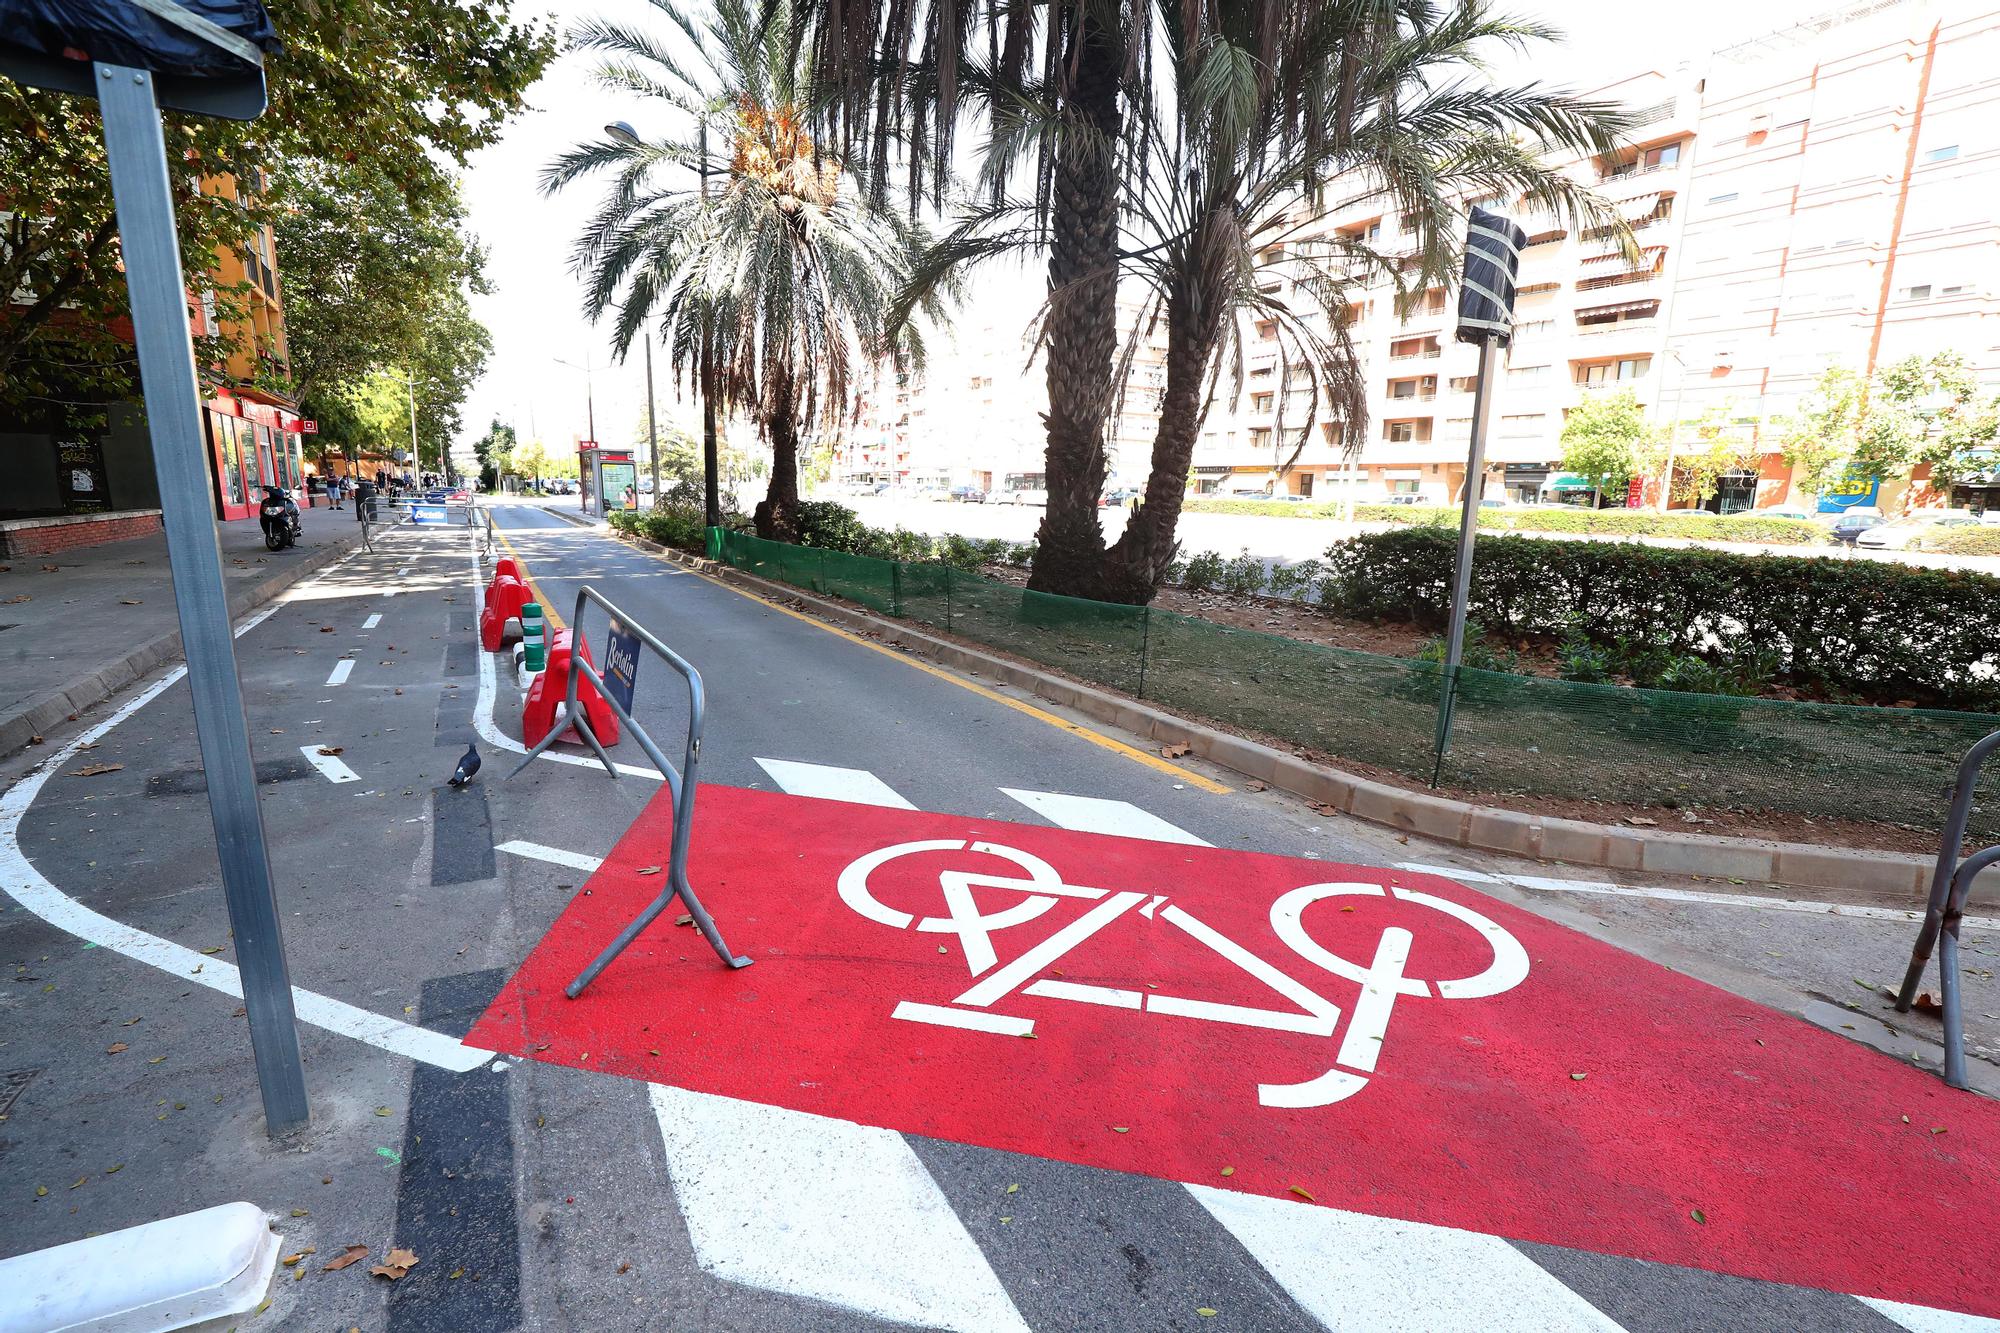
x=94 y=483
x=973 y=417
x=1810 y=198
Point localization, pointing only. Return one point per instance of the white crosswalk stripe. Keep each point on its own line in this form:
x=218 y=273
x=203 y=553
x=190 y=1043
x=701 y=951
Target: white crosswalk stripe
x=1378 y=1275
x=829 y=783
x=856 y=1218
x=1095 y=814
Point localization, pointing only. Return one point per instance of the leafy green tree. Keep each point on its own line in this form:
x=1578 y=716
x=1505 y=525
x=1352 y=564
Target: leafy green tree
x=495 y=449
x=1707 y=449
x=1939 y=417
x=1605 y=440
x=399 y=94
x=1821 y=440
x=772 y=285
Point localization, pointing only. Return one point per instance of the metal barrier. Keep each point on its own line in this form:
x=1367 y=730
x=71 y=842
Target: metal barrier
x=680 y=782
x=1951 y=884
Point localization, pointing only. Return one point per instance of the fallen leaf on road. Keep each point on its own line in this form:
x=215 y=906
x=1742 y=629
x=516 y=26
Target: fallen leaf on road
x=1228 y=1170
x=1254 y=786
x=130 y=601
x=352 y=1254
x=332 y=749
x=398 y=1263
x=1204 y=1312
x=81 y=1179
x=1579 y=1077
x=92 y=770
x=213 y=949
x=647 y=870
x=326 y=629
x=115 y=1047
x=114 y=1170
x=291 y=1259
x=41 y=1191
x=684 y=919
x=1642 y=821
x=1121 y=1129
x=1173 y=751
x=1014 y=1189
x=1322 y=808
x=22 y=598
x=1301 y=1191
x=1699 y=1216
x=383 y=1110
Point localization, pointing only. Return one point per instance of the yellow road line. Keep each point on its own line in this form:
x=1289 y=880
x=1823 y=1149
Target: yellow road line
x=1040 y=715
x=549 y=612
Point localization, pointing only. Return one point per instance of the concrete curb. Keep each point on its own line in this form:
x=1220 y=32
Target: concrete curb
x=1895 y=877
x=43 y=713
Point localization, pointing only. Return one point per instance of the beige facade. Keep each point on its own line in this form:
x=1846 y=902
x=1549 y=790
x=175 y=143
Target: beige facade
x=1819 y=196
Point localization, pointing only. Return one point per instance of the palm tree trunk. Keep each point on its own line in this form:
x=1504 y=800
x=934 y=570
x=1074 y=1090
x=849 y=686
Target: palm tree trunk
x=777 y=514
x=1136 y=563
x=1083 y=319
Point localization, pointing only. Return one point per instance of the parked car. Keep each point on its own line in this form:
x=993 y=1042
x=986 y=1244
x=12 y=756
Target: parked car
x=1779 y=511
x=970 y=495
x=1122 y=497
x=1848 y=528
x=1026 y=496
x=1907 y=533
x=1411 y=499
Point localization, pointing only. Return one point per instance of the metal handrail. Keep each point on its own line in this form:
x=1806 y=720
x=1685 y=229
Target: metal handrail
x=680 y=781
x=1951 y=884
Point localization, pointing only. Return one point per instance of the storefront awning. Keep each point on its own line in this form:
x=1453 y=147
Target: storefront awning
x=1647 y=257
x=1639 y=207
x=1619 y=308
x=1204 y=471
x=1569 y=483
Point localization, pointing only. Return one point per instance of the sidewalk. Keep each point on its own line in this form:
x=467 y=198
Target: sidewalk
x=79 y=626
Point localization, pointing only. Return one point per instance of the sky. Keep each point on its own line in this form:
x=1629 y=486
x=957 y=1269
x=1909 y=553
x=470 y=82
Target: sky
x=535 y=313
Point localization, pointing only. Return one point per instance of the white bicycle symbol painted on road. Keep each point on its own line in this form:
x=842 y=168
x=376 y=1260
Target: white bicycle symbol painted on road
x=1382 y=979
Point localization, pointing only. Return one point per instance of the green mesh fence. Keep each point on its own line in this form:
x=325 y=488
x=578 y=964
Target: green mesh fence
x=1513 y=735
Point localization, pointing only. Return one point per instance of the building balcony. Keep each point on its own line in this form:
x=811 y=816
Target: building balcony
x=1431 y=354
x=1624 y=328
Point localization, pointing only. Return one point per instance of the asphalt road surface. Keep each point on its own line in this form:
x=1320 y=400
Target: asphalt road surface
x=832 y=1138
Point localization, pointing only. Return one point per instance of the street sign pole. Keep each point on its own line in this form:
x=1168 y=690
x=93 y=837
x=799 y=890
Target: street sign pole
x=1485 y=316
x=137 y=153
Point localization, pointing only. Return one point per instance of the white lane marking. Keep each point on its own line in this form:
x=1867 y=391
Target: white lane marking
x=1095 y=814
x=404 y=570
x=1924 y=1319
x=971 y=1020
x=25 y=885
x=858 y=1221
x=1084 y=993
x=329 y=765
x=829 y=783
x=341 y=670
x=372 y=621
x=1761 y=902
x=1356 y=1272
x=489 y=691
x=553 y=855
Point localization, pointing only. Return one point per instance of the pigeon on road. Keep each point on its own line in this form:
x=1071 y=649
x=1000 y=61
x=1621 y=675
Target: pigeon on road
x=467 y=766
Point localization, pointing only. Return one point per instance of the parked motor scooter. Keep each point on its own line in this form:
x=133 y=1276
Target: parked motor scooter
x=279 y=514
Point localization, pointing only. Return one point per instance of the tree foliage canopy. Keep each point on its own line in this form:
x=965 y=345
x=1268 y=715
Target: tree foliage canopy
x=1606 y=439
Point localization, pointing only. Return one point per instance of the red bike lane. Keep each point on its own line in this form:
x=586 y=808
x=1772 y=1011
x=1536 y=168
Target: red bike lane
x=1381 y=1041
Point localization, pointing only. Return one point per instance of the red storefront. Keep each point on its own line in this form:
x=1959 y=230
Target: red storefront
x=252 y=444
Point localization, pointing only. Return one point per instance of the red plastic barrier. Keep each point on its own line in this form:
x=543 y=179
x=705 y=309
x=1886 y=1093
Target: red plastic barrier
x=538 y=714
x=506 y=565
x=504 y=600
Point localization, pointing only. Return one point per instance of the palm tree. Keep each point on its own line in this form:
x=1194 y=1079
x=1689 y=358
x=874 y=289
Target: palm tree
x=1228 y=128
x=771 y=286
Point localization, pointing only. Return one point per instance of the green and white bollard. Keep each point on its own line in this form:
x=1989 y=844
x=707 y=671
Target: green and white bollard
x=534 y=638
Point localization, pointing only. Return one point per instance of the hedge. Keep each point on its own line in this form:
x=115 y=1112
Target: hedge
x=1692 y=524
x=678 y=526
x=1982 y=540
x=1854 y=628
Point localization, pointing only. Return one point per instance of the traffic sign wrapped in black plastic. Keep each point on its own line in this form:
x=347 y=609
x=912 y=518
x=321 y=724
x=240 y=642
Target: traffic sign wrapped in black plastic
x=1492 y=261
x=143 y=34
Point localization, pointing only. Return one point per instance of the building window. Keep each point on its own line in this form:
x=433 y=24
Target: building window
x=1400 y=432
x=1533 y=327
x=1944 y=154
x=1525 y=425
x=1722 y=198
x=1920 y=292
x=1663 y=156
x=1260 y=402
x=1402 y=488
x=1526 y=372
x=1464 y=383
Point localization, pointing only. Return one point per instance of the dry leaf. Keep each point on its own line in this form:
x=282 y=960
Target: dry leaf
x=647 y=870
x=1174 y=751
x=1300 y=1190
x=130 y=601
x=291 y=1259
x=1228 y=1170
x=1699 y=1216
x=1579 y=1077
x=22 y=598
x=92 y=770
x=115 y=1047
x=1254 y=786
x=1642 y=821
x=352 y=1254
x=684 y=919
x=326 y=629
x=331 y=749
x=1121 y=1129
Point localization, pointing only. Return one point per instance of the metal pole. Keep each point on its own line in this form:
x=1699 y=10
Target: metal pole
x=652 y=427
x=1468 y=524
x=136 y=150
x=415 y=457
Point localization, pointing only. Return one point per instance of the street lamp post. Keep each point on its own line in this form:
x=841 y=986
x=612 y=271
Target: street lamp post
x=652 y=426
x=589 y=391
x=623 y=132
